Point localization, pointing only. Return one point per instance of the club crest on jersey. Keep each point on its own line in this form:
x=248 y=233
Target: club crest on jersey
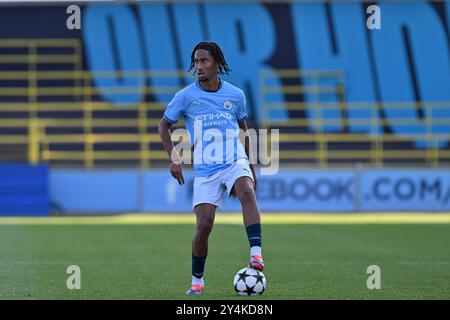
x=227 y=104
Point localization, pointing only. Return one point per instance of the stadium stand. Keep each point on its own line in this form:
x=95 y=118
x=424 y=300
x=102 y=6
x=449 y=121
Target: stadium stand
x=51 y=112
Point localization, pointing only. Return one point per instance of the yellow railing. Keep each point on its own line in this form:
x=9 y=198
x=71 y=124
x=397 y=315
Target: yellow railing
x=319 y=148
x=316 y=84
x=57 y=106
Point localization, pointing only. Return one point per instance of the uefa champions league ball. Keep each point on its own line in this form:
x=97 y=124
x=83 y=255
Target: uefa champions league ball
x=249 y=282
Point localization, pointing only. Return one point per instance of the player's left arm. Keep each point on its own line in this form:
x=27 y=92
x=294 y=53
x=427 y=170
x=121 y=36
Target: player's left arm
x=243 y=126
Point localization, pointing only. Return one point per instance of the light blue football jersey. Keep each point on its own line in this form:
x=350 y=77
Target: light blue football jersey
x=212 y=119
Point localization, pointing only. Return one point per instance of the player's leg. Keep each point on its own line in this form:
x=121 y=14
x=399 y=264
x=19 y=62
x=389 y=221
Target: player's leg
x=205 y=214
x=243 y=189
x=207 y=196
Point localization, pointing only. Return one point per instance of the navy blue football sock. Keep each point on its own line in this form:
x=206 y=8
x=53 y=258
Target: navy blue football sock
x=198 y=266
x=254 y=234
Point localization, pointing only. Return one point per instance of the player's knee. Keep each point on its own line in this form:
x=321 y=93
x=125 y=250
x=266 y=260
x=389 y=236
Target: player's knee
x=204 y=227
x=246 y=194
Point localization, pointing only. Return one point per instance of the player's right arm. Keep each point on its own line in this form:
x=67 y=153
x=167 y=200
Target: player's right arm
x=174 y=111
x=176 y=168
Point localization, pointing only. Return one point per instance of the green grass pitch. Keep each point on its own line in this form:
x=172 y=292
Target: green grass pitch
x=153 y=261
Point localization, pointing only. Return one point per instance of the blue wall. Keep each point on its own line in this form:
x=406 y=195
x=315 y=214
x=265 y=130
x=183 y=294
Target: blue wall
x=24 y=190
x=290 y=190
x=93 y=191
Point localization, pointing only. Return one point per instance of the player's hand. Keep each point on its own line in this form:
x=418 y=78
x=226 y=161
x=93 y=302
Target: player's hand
x=176 y=170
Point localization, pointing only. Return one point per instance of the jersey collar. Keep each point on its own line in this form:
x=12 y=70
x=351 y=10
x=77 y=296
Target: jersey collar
x=220 y=86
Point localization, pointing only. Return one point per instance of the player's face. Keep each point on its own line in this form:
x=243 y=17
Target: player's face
x=205 y=66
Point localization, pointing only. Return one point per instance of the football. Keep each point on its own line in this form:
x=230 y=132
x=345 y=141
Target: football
x=249 y=282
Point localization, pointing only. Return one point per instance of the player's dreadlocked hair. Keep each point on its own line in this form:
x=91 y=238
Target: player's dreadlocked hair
x=215 y=51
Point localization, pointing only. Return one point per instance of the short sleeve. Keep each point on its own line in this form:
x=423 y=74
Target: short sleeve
x=242 y=111
x=175 y=108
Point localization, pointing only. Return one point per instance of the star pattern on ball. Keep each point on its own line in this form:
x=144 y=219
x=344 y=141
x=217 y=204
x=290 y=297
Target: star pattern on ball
x=246 y=282
x=248 y=290
x=243 y=275
x=259 y=278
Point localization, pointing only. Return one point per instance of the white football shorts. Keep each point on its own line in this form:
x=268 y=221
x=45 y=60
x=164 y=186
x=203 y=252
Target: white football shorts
x=211 y=189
